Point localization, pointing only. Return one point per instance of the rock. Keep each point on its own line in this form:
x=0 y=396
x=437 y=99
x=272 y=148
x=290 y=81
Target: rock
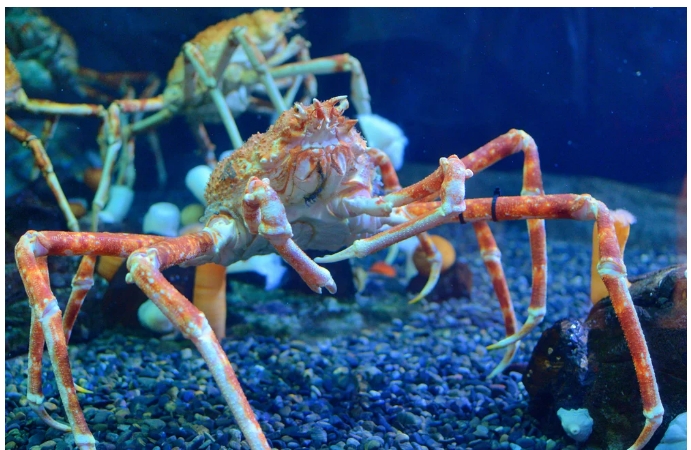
x=556 y=375
x=605 y=383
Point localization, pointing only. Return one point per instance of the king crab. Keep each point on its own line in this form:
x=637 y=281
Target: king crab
x=310 y=182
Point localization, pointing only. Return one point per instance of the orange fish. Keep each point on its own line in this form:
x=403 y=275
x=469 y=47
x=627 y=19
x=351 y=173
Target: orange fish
x=382 y=268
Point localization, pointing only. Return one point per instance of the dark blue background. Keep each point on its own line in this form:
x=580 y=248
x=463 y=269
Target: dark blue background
x=603 y=91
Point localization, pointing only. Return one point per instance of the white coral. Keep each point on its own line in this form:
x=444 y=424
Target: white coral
x=270 y=266
x=675 y=436
x=385 y=135
x=163 y=219
x=577 y=423
x=119 y=203
x=196 y=181
x=152 y=318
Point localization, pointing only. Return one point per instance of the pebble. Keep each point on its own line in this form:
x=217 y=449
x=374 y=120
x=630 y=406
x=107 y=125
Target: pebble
x=415 y=382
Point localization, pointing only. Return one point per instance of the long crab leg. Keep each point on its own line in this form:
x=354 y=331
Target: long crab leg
x=149 y=254
x=332 y=64
x=561 y=206
x=492 y=259
x=256 y=58
x=145 y=267
x=512 y=142
x=195 y=57
x=509 y=143
x=46 y=323
x=38 y=106
x=110 y=139
x=43 y=162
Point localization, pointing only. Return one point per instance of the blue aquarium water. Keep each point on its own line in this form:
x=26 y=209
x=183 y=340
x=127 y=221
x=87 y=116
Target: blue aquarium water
x=602 y=91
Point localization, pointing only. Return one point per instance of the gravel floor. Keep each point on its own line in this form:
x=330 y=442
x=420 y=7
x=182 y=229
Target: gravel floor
x=416 y=382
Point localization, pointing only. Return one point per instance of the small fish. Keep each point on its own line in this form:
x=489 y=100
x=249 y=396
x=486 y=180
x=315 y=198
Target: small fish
x=382 y=268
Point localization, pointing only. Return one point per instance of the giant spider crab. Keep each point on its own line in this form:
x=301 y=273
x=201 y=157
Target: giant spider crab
x=311 y=182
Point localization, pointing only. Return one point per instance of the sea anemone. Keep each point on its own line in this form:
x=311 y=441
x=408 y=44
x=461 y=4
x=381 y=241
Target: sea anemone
x=196 y=180
x=119 y=203
x=162 y=219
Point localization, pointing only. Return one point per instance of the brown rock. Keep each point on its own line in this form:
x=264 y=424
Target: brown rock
x=606 y=383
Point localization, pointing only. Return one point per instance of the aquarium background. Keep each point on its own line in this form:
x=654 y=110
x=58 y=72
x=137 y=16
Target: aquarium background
x=602 y=90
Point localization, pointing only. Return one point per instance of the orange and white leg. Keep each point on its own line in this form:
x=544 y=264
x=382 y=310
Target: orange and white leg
x=46 y=322
x=611 y=269
x=265 y=215
x=434 y=259
x=492 y=259
x=145 y=267
x=42 y=160
x=503 y=146
x=448 y=180
x=389 y=177
x=561 y=206
x=512 y=142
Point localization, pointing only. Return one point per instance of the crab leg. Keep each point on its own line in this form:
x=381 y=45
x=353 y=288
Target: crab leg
x=497 y=149
x=256 y=58
x=492 y=258
x=145 y=267
x=388 y=173
x=332 y=64
x=265 y=215
x=43 y=162
x=81 y=284
x=38 y=106
x=562 y=206
x=46 y=323
x=111 y=140
x=195 y=57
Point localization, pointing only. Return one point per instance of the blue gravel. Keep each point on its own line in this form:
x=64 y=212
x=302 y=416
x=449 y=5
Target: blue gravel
x=414 y=382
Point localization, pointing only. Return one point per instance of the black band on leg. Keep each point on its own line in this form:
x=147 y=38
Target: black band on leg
x=497 y=193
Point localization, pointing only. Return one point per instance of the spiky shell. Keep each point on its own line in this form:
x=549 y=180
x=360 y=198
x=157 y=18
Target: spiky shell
x=277 y=153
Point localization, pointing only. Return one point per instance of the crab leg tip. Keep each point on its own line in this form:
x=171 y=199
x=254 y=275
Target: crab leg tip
x=82 y=390
x=48 y=420
x=505 y=342
x=340 y=256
